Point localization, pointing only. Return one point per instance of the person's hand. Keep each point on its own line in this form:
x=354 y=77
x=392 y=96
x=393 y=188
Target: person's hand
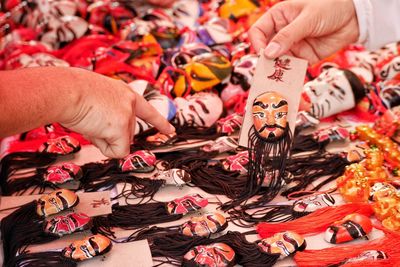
x=163 y=3
x=309 y=29
x=106 y=112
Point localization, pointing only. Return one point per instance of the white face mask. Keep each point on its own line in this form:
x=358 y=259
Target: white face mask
x=330 y=93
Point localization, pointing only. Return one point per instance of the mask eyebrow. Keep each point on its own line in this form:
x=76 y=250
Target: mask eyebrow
x=260 y=104
x=280 y=104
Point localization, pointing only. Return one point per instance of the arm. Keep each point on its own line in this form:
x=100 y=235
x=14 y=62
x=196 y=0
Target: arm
x=101 y=108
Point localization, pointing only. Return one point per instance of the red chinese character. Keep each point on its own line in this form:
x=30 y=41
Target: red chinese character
x=282 y=64
x=98 y=203
x=277 y=75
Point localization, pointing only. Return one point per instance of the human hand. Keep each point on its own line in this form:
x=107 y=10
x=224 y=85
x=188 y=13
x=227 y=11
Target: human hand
x=106 y=113
x=163 y=3
x=309 y=29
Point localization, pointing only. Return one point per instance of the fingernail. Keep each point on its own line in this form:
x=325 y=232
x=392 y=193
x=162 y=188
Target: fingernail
x=272 y=50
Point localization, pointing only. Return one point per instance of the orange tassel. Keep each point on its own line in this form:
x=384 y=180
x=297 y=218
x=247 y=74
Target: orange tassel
x=315 y=222
x=390 y=244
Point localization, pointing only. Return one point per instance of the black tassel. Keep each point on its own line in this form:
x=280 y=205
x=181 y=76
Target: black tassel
x=133 y=217
x=308 y=143
x=24 y=217
x=41 y=259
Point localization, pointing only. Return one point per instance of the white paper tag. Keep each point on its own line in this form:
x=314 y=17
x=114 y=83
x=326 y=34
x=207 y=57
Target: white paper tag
x=284 y=75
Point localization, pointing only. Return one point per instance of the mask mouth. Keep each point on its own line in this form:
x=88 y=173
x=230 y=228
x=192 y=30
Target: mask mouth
x=270 y=128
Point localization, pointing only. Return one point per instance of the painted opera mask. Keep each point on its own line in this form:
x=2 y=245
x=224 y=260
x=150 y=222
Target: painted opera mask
x=214 y=255
x=284 y=244
x=204 y=225
x=56 y=201
x=67 y=224
x=61 y=146
x=138 y=161
x=313 y=203
x=87 y=248
x=60 y=174
x=186 y=204
x=270 y=111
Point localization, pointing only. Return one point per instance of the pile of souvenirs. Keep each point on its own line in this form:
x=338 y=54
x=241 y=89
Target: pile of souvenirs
x=194 y=63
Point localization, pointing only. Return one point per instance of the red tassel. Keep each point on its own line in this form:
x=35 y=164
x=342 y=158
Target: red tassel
x=390 y=244
x=315 y=222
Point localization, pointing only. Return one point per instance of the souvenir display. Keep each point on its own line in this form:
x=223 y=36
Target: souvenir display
x=77 y=251
x=28 y=216
x=136 y=216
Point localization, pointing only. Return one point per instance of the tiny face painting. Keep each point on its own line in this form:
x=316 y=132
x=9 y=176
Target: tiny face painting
x=284 y=244
x=270 y=115
x=62 y=173
x=214 y=255
x=62 y=146
x=87 y=248
x=313 y=203
x=205 y=225
x=56 y=201
x=138 y=161
x=67 y=224
x=329 y=94
x=352 y=226
x=186 y=204
x=174 y=176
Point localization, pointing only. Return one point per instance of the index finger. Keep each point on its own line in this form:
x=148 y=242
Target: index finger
x=262 y=31
x=148 y=113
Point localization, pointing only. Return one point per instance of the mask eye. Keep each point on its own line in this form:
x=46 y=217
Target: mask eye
x=260 y=115
x=280 y=115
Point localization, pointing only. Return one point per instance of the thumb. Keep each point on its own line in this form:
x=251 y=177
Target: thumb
x=286 y=37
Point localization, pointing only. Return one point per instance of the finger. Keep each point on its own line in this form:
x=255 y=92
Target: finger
x=262 y=31
x=289 y=35
x=306 y=51
x=148 y=113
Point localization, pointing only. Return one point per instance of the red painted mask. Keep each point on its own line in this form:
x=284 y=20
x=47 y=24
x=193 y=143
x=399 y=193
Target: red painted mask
x=138 y=161
x=313 y=203
x=87 y=248
x=230 y=124
x=214 y=255
x=186 y=204
x=237 y=162
x=284 y=244
x=221 y=144
x=55 y=202
x=204 y=225
x=67 y=224
x=174 y=176
x=61 y=146
x=64 y=173
x=270 y=115
x=335 y=133
x=352 y=226
x=368 y=255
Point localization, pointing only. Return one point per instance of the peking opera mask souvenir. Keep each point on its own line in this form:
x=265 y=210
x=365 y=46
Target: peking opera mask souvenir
x=199 y=110
x=207 y=70
x=284 y=244
x=214 y=255
x=243 y=71
x=332 y=92
x=77 y=251
x=50 y=177
x=66 y=224
x=173 y=176
x=27 y=217
x=143 y=215
x=389 y=69
x=351 y=227
x=235 y=9
x=35 y=60
x=390 y=93
x=215 y=31
x=198 y=226
x=139 y=161
x=46 y=154
x=221 y=144
x=110 y=15
x=230 y=124
x=236 y=162
x=369 y=255
x=185 y=14
x=160 y=139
